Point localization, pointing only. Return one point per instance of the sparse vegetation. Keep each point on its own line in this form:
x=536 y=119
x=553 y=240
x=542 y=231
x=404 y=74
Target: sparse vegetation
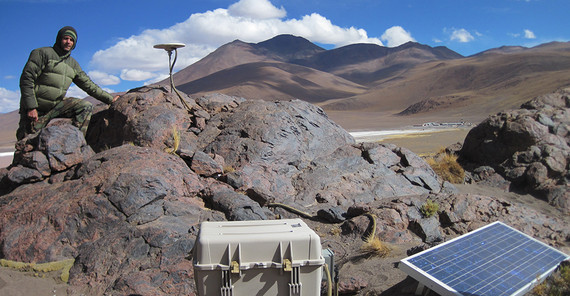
x=175 y=141
x=335 y=231
x=372 y=244
x=557 y=284
x=446 y=166
x=429 y=208
x=375 y=246
x=229 y=169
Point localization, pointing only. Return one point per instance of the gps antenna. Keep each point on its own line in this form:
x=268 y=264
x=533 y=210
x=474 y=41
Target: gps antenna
x=169 y=47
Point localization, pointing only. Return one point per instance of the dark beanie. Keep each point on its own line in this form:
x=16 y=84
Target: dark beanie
x=66 y=31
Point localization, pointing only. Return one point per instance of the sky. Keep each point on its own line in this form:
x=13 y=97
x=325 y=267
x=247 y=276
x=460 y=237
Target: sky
x=116 y=37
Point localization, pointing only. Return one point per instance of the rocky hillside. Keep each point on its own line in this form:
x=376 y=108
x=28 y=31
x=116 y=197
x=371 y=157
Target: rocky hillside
x=126 y=204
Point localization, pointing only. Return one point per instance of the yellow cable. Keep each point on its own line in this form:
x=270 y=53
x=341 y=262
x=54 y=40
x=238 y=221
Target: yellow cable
x=291 y=209
x=373 y=230
x=329 y=280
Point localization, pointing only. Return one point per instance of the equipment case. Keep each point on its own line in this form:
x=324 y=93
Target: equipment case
x=267 y=257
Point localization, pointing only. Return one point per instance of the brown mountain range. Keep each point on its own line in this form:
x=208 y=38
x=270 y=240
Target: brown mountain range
x=372 y=87
x=366 y=86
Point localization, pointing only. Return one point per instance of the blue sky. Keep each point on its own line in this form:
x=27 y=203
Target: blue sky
x=115 y=37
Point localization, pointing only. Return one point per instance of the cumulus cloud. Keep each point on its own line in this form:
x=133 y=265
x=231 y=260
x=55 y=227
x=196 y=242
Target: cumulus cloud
x=461 y=35
x=103 y=78
x=256 y=9
x=9 y=100
x=246 y=20
x=76 y=92
x=396 y=36
x=136 y=75
x=529 y=34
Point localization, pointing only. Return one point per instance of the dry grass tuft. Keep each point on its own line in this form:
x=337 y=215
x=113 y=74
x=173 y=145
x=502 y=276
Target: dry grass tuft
x=175 y=141
x=446 y=166
x=229 y=169
x=335 y=231
x=373 y=245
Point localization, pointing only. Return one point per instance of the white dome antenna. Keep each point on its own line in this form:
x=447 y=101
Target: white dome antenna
x=170 y=47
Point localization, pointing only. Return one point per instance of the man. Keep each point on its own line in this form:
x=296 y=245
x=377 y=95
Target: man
x=44 y=82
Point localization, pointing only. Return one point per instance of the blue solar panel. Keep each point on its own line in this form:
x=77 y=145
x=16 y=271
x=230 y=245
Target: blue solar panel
x=493 y=260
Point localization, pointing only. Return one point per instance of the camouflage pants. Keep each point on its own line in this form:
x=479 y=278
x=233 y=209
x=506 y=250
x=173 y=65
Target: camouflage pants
x=77 y=109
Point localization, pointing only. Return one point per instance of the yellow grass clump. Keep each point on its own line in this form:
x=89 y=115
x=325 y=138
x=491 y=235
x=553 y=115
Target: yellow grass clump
x=446 y=166
x=175 y=141
x=375 y=246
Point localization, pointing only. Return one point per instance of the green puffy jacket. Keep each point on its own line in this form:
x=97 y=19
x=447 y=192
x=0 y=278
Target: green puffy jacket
x=46 y=77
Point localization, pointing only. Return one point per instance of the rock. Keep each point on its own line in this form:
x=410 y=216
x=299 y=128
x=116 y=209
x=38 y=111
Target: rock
x=147 y=117
x=21 y=175
x=238 y=207
x=204 y=165
x=332 y=215
x=529 y=147
x=56 y=148
x=351 y=286
x=105 y=214
x=428 y=230
x=64 y=146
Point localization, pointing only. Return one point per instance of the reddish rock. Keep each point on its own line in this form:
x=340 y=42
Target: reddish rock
x=529 y=147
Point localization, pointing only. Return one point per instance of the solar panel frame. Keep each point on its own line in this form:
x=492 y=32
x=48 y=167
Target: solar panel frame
x=484 y=248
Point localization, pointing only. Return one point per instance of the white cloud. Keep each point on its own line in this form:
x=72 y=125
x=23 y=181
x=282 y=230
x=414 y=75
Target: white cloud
x=204 y=32
x=396 y=36
x=76 y=92
x=9 y=100
x=529 y=34
x=461 y=35
x=103 y=78
x=136 y=75
x=256 y=9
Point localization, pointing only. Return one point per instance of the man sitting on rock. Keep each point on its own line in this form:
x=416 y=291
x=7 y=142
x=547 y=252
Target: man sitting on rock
x=44 y=82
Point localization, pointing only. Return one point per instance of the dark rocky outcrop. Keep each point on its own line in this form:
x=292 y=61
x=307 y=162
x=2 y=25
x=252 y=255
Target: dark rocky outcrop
x=528 y=147
x=127 y=207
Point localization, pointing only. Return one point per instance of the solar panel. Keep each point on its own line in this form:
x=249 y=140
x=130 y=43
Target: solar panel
x=493 y=260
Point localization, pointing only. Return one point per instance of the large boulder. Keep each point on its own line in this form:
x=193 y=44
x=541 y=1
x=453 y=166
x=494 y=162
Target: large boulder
x=529 y=147
x=46 y=155
x=127 y=204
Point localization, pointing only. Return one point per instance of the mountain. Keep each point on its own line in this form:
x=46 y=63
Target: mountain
x=423 y=80
x=481 y=84
x=279 y=48
x=275 y=80
x=366 y=63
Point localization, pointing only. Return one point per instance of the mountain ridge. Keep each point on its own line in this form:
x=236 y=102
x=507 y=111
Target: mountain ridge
x=394 y=78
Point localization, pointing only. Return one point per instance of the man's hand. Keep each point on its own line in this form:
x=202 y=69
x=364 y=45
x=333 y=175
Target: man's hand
x=114 y=99
x=33 y=115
